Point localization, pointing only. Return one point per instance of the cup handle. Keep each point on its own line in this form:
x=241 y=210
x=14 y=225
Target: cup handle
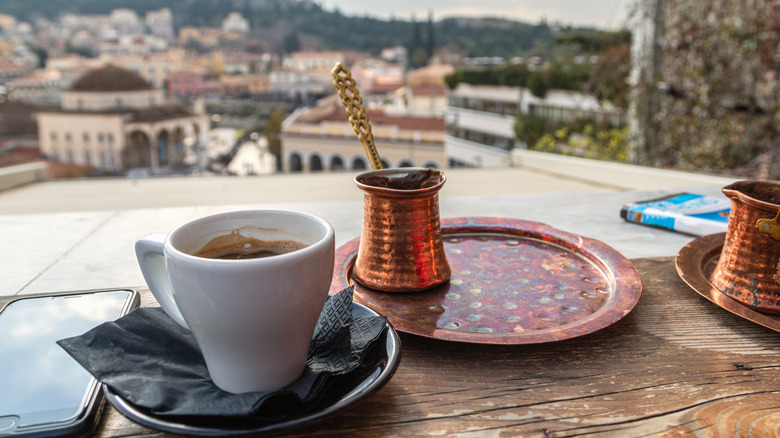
x=151 y=259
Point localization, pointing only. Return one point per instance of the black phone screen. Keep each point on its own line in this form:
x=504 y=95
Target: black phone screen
x=41 y=386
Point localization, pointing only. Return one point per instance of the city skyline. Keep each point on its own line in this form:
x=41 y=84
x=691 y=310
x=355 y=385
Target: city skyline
x=608 y=14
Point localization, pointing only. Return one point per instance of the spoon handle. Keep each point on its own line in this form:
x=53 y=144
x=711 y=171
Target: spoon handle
x=350 y=97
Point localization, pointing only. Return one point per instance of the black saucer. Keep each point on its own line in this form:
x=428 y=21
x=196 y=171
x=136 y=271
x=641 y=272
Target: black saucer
x=367 y=379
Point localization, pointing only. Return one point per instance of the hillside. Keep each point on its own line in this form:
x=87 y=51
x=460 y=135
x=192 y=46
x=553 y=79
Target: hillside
x=275 y=21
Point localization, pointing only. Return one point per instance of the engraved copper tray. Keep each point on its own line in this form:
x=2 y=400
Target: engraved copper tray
x=513 y=282
x=696 y=262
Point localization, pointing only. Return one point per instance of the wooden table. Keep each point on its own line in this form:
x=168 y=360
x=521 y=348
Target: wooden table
x=677 y=365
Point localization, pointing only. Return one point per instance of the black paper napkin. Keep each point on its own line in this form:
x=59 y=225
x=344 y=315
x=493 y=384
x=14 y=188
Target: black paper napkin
x=152 y=362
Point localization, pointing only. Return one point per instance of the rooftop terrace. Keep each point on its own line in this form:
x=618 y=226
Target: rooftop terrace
x=536 y=173
x=79 y=234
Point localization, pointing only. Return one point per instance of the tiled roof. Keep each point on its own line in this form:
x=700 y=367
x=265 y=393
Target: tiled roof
x=110 y=78
x=333 y=111
x=427 y=90
x=7 y=64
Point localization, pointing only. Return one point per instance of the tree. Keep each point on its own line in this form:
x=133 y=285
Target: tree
x=416 y=49
x=430 y=41
x=539 y=83
x=529 y=129
x=594 y=141
x=42 y=55
x=292 y=42
x=273 y=129
x=609 y=80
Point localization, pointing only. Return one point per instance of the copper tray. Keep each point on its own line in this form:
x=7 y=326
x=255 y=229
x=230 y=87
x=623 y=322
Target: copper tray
x=696 y=262
x=513 y=282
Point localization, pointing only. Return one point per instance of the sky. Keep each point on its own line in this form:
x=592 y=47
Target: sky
x=607 y=14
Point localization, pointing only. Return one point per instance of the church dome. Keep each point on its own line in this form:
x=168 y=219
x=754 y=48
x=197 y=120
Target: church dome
x=110 y=78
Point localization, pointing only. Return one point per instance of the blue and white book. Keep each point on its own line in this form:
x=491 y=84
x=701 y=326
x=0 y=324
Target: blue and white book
x=687 y=213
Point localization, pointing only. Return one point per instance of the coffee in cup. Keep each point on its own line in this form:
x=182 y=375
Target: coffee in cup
x=236 y=246
x=253 y=318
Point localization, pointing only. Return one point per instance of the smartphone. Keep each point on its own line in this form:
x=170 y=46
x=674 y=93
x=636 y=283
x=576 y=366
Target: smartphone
x=44 y=391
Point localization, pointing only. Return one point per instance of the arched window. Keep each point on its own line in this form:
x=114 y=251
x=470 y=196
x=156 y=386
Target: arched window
x=336 y=164
x=358 y=164
x=296 y=164
x=385 y=164
x=315 y=163
x=405 y=163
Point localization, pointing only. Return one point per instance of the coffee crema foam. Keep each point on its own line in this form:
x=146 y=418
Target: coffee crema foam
x=234 y=246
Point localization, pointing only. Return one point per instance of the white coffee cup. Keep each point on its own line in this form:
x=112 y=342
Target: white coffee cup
x=253 y=319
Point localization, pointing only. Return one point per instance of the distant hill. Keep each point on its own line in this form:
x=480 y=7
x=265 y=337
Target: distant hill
x=276 y=22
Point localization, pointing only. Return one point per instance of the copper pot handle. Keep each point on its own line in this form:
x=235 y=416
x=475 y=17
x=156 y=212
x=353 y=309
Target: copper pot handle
x=771 y=227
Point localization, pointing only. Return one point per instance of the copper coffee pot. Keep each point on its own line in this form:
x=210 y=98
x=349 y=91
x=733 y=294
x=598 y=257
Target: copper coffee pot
x=401 y=247
x=749 y=266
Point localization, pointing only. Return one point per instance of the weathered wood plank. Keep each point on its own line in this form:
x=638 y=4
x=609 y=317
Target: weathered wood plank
x=676 y=366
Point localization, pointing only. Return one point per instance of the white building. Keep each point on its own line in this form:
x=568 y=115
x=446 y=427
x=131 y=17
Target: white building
x=220 y=142
x=395 y=54
x=235 y=22
x=295 y=84
x=126 y=21
x=480 y=125
x=114 y=120
x=306 y=61
x=252 y=158
x=160 y=23
x=42 y=87
x=481 y=118
x=321 y=138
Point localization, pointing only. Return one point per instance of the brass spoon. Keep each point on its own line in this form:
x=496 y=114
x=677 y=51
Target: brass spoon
x=350 y=97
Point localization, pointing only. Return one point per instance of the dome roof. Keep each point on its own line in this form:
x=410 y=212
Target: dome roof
x=110 y=78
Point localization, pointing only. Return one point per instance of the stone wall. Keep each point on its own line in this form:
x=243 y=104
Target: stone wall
x=713 y=102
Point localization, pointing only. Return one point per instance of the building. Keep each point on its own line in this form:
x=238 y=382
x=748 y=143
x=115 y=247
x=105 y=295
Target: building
x=7 y=22
x=321 y=138
x=207 y=37
x=71 y=68
x=395 y=54
x=132 y=45
x=41 y=87
x=185 y=84
x=481 y=119
x=153 y=67
x=292 y=84
x=308 y=61
x=425 y=100
x=375 y=76
x=235 y=23
x=252 y=158
x=430 y=74
x=480 y=125
x=113 y=120
x=10 y=70
x=126 y=22
x=160 y=23
x=244 y=85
